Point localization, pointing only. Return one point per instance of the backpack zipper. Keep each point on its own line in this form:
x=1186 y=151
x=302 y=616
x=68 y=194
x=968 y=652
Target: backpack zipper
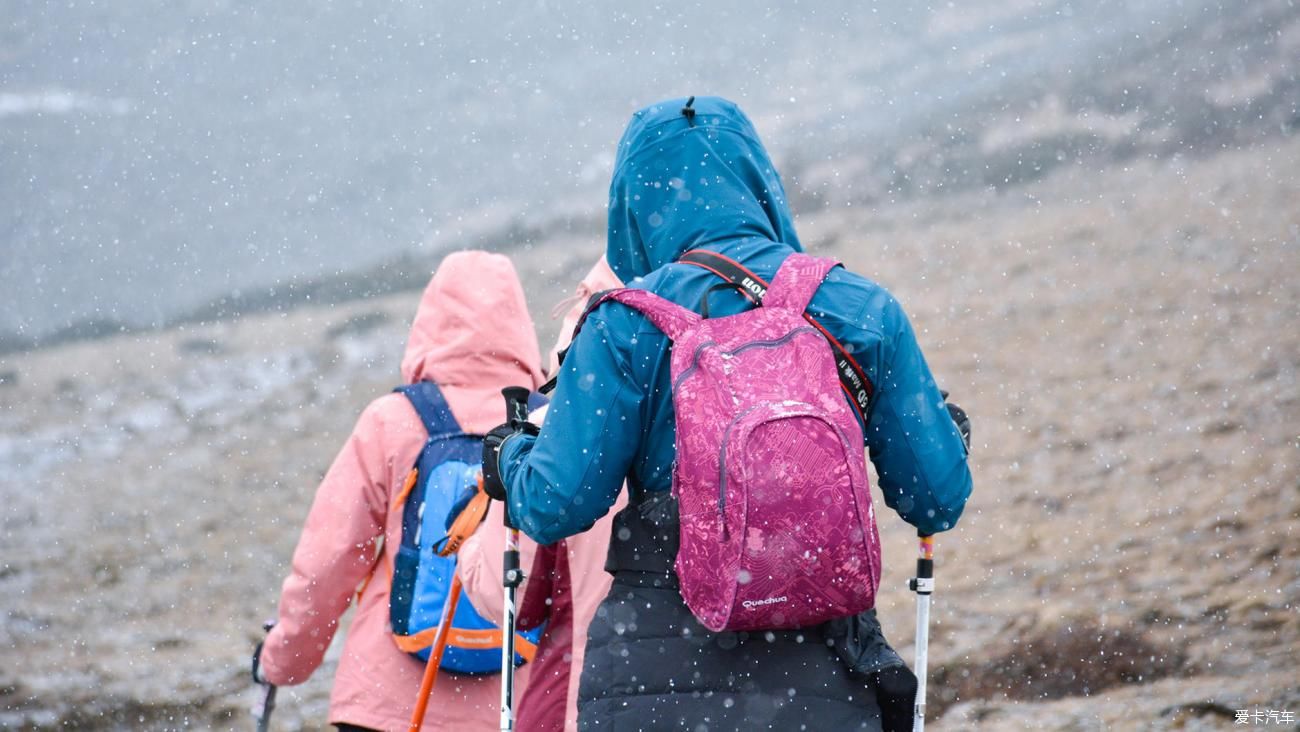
x=695 y=357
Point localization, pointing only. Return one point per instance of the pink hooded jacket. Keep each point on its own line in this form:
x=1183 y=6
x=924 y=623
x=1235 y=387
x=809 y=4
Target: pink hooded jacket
x=472 y=335
x=565 y=585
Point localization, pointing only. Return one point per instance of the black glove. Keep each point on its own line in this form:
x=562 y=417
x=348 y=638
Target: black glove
x=492 y=484
x=962 y=421
x=492 y=442
x=959 y=418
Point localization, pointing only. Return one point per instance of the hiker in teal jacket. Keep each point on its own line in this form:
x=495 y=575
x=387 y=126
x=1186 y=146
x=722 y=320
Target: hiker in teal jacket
x=708 y=183
x=687 y=180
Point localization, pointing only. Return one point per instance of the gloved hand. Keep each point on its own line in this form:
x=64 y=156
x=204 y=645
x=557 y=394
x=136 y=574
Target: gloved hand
x=492 y=483
x=963 y=423
x=959 y=418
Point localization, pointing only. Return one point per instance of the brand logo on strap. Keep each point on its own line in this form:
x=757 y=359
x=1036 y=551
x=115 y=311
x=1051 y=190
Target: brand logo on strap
x=758 y=290
x=849 y=376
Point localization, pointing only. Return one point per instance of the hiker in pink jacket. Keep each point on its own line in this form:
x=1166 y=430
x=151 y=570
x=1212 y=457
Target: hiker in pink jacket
x=565 y=585
x=472 y=335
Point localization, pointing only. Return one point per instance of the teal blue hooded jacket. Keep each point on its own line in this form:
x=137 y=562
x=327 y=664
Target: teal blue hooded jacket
x=706 y=182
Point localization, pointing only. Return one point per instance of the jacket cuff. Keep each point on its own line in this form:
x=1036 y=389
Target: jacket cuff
x=509 y=455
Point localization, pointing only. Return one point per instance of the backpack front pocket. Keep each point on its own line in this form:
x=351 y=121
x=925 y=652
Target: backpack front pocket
x=792 y=527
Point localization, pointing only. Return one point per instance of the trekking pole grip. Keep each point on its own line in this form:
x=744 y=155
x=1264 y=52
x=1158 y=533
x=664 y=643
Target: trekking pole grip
x=517 y=413
x=516 y=405
x=512 y=576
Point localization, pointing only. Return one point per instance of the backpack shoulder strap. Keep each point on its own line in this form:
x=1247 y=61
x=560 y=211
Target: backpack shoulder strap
x=797 y=281
x=671 y=318
x=857 y=387
x=431 y=405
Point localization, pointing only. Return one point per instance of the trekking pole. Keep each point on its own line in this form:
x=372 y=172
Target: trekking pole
x=922 y=584
x=512 y=576
x=262 y=712
x=435 y=656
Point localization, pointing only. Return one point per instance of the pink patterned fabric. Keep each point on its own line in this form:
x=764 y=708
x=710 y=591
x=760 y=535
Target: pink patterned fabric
x=777 y=527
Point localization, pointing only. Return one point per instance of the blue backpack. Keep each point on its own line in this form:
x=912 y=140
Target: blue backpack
x=445 y=474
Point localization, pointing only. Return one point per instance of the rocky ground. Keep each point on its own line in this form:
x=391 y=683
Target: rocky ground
x=1124 y=339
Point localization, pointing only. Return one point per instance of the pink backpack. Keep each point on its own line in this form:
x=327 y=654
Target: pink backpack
x=777 y=527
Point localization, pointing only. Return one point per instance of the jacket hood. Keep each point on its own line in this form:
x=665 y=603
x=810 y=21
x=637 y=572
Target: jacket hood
x=681 y=183
x=472 y=335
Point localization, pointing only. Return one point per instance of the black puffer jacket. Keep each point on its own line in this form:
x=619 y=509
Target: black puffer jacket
x=651 y=666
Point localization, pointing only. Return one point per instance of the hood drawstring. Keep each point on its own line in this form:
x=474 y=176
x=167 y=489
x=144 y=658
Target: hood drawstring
x=689 y=112
x=567 y=303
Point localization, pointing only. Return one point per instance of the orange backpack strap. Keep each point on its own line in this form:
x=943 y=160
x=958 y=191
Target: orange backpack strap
x=411 y=477
x=465 y=638
x=489 y=638
x=466 y=522
x=525 y=648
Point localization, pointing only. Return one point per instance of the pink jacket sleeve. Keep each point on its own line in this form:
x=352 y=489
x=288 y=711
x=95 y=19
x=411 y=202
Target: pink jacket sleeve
x=336 y=552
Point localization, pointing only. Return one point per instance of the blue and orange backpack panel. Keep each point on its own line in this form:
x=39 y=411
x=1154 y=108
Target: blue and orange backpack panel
x=446 y=471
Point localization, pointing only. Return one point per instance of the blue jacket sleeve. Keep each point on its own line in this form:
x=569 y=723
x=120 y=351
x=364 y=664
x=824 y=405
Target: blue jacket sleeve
x=917 y=450
x=562 y=481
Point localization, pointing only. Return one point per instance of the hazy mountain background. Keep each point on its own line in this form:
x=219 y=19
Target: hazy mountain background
x=169 y=160
x=214 y=217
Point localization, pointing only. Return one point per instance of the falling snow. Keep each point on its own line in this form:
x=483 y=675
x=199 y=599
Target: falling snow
x=216 y=219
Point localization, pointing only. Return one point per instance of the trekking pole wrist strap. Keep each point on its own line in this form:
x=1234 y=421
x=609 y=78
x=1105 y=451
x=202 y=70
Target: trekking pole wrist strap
x=857 y=387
